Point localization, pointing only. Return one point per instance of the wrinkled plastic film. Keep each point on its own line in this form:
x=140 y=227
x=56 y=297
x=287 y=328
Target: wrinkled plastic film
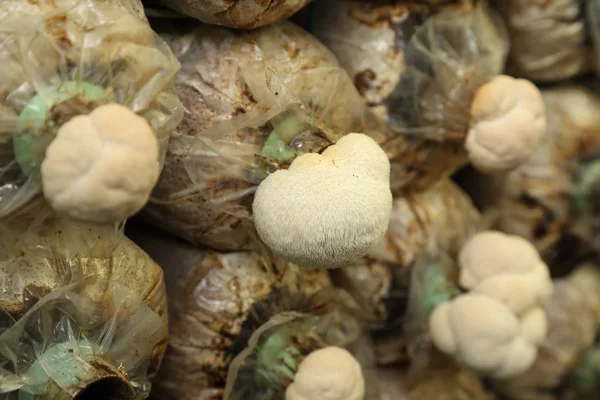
x=98 y=321
x=66 y=285
x=65 y=58
x=255 y=101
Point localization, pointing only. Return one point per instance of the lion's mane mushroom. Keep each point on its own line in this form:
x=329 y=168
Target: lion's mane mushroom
x=328 y=209
x=101 y=167
x=331 y=373
x=506 y=268
x=486 y=335
x=508 y=120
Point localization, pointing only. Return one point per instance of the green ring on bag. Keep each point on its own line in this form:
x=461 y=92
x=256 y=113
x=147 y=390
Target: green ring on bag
x=70 y=368
x=437 y=288
x=33 y=117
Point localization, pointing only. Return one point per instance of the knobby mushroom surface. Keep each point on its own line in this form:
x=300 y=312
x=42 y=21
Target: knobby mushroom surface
x=101 y=167
x=327 y=209
x=331 y=373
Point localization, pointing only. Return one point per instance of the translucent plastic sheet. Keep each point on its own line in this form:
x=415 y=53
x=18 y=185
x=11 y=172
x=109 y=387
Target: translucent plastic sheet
x=550 y=40
x=79 y=305
x=308 y=333
x=243 y=14
x=63 y=58
x=572 y=327
x=216 y=301
x=437 y=221
x=535 y=200
x=447 y=60
x=253 y=102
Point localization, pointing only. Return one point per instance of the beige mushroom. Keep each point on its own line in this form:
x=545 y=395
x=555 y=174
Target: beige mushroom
x=508 y=121
x=101 y=167
x=328 y=209
x=331 y=373
x=485 y=335
x=506 y=268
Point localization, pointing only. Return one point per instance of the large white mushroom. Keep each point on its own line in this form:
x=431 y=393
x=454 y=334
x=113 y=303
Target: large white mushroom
x=331 y=373
x=508 y=120
x=101 y=167
x=486 y=335
x=327 y=209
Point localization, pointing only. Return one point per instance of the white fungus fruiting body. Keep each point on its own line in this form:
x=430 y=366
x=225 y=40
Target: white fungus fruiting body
x=486 y=335
x=327 y=209
x=508 y=120
x=101 y=167
x=331 y=373
x=506 y=268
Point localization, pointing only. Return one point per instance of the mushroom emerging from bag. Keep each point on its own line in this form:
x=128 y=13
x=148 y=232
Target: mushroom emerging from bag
x=546 y=197
x=82 y=312
x=438 y=221
x=242 y=312
x=255 y=101
x=86 y=107
x=441 y=93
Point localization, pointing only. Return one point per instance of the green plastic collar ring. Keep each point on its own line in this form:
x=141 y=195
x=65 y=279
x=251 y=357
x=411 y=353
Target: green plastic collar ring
x=33 y=118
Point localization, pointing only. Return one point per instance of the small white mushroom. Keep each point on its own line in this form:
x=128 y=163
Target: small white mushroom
x=506 y=268
x=508 y=120
x=101 y=167
x=331 y=373
x=328 y=209
x=487 y=336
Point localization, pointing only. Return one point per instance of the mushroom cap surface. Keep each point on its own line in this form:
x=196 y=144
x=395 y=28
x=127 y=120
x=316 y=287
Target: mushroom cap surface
x=328 y=209
x=331 y=373
x=507 y=268
x=508 y=120
x=101 y=167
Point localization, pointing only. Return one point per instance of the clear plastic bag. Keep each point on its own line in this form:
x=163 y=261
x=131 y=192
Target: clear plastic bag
x=254 y=101
x=64 y=58
x=549 y=39
x=82 y=309
x=216 y=302
x=255 y=372
x=242 y=14
x=437 y=221
x=447 y=59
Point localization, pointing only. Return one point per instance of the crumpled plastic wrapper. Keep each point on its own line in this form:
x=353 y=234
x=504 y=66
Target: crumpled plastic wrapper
x=572 y=327
x=447 y=59
x=369 y=38
x=216 y=301
x=535 y=200
x=437 y=221
x=253 y=102
x=63 y=58
x=242 y=14
x=550 y=39
x=336 y=328
x=80 y=307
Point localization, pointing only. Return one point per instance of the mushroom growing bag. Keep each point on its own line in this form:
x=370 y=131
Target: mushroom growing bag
x=242 y=14
x=259 y=371
x=82 y=309
x=216 y=301
x=254 y=101
x=447 y=59
x=64 y=58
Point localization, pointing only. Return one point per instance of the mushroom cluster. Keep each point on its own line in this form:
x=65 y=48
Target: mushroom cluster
x=497 y=326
